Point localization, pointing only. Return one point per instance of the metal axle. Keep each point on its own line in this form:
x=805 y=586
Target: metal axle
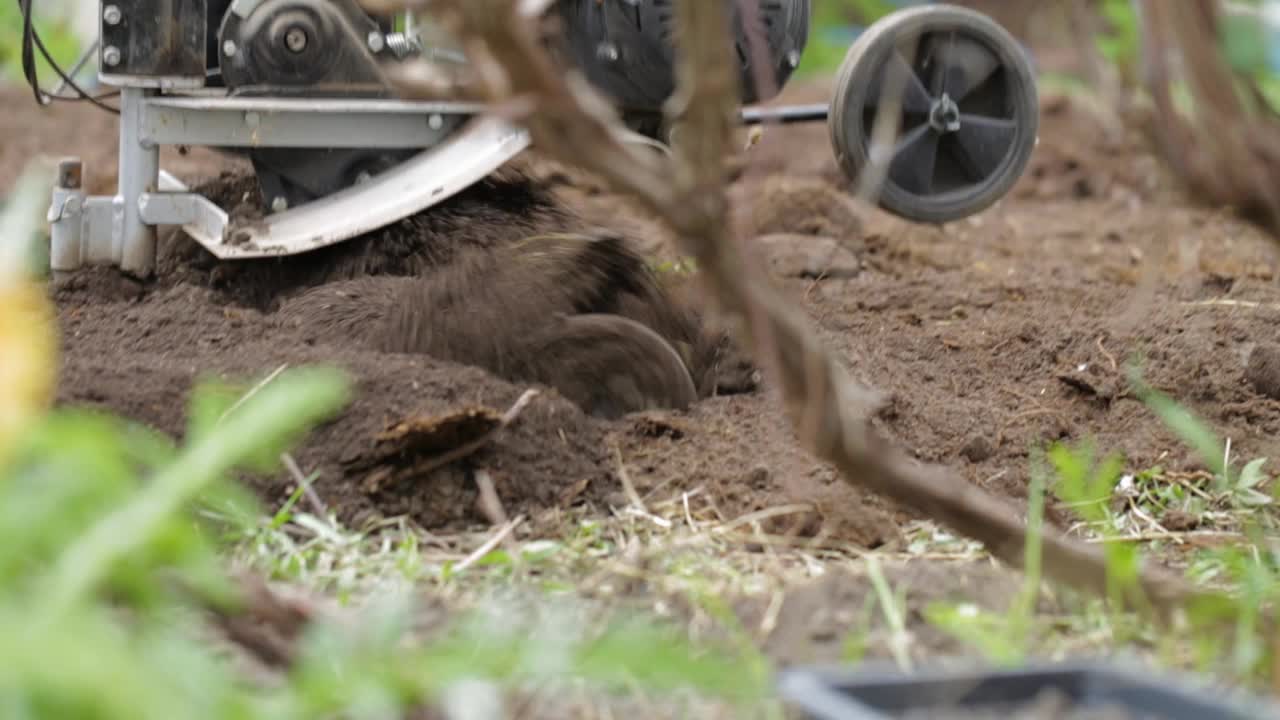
x=786 y=115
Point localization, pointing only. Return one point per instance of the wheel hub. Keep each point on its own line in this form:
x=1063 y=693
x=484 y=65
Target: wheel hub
x=944 y=114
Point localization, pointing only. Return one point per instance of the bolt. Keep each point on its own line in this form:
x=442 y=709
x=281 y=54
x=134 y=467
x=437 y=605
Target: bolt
x=111 y=55
x=228 y=48
x=376 y=41
x=111 y=15
x=944 y=116
x=607 y=51
x=279 y=204
x=434 y=121
x=295 y=39
x=363 y=177
x=793 y=59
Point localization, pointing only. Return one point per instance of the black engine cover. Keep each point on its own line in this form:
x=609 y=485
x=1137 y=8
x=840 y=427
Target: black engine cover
x=625 y=49
x=304 y=48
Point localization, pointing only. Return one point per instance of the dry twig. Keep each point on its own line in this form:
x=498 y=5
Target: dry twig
x=266 y=625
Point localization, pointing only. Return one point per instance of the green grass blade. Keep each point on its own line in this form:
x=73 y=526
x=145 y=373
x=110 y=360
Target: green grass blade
x=1186 y=425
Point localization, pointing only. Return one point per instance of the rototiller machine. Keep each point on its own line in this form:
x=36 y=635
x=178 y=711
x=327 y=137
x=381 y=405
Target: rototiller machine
x=298 y=86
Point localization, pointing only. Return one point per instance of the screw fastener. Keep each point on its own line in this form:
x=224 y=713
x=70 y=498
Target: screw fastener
x=111 y=15
x=295 y=40
x=111 y=55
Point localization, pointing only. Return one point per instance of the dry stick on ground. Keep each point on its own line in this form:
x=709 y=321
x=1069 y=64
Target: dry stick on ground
x=569 y=122
x=267 y=625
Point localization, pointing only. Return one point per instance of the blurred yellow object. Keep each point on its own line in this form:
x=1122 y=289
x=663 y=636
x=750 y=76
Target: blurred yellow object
x=28 y=330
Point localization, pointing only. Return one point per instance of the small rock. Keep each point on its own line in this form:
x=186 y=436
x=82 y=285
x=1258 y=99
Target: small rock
x=809 y=256
x=978 y=449
x=1263 y=370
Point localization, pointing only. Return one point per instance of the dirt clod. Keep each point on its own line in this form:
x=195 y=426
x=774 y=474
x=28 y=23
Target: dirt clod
x=1263 y=370
x=1180 y=521
x=802 y=206
x=807 y=256
x=978 y=449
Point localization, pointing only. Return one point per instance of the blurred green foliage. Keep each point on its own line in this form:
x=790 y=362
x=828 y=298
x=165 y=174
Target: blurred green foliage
x=114 y=543
x=827 y=41
x=56 y=33
x=102 y=547
x=1119 y=42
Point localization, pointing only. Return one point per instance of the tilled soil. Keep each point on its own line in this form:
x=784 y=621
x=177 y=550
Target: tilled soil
x=991 y=335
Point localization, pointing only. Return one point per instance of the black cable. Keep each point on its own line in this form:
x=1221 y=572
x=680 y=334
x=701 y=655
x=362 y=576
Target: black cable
x=30 y=43
x=28 y=55
x=95 y=99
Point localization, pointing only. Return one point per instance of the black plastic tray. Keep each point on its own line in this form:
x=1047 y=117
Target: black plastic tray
x=822 y=694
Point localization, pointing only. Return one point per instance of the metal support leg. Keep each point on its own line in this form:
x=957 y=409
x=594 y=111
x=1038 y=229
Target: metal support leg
x=66 y=217
x=134 y=246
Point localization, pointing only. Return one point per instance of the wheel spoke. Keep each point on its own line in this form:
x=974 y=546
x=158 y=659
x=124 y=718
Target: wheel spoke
x=938 y=81
x=915 y=98
x=963 y=65
x=914 y=159
x=983 y=142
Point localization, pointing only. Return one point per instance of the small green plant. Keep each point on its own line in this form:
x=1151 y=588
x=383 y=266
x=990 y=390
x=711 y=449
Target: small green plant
x=1223 y=633
x=1004 y=638
x=1242 y=487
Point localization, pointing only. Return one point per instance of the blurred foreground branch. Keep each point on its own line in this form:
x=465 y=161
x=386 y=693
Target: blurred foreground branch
x=570 y=123
x=1225 y=143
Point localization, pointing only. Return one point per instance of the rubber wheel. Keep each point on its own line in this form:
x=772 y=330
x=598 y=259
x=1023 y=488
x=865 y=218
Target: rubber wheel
x=610 y=366
x=969 y=111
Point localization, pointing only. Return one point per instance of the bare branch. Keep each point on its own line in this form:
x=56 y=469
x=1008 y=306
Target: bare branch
x=572 y=124
x=1223 y=150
